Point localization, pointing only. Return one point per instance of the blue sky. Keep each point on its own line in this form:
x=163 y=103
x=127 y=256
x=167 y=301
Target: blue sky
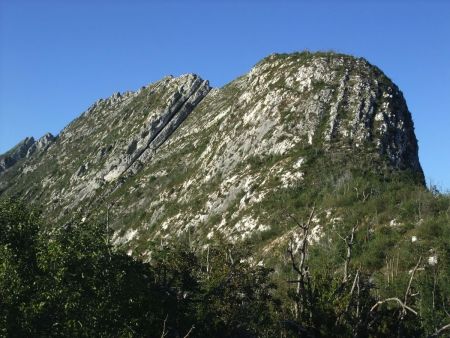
x=58 y=57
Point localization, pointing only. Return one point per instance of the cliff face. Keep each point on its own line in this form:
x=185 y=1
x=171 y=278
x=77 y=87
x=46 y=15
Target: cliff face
x=25 y=149
x=177 y=156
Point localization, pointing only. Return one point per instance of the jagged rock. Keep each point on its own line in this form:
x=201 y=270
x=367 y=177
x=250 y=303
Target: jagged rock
x=191 y=90
x=25 y=149
x=41 y=145
x=17 y=153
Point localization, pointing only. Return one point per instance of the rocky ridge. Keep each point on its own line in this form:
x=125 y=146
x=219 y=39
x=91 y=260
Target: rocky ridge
x=178 y=157
x=25 y=149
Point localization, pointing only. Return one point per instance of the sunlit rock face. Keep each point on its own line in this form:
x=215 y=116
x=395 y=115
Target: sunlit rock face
x=25 y=149
x=178 y=157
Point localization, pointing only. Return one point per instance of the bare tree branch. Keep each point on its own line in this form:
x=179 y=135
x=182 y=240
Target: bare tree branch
x=299 y=266
x=164 y=332
x=411 y=279
x=348 y=240
x=291 y=254
x=355 y=282
x=349 y=243
x=189 y=332
x=442 y=329
x=394 y=299
x=339 y=235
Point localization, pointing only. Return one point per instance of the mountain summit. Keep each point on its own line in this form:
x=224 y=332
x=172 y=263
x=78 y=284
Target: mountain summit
x=180 y=157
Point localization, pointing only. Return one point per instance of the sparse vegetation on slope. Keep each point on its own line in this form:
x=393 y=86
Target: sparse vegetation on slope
x=289 y=202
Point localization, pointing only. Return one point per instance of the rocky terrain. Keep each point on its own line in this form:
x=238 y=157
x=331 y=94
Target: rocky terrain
x=178 y=157
x=24 y=149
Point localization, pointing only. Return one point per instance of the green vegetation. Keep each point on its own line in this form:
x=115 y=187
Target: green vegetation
x=69 y=281
x=376 y=257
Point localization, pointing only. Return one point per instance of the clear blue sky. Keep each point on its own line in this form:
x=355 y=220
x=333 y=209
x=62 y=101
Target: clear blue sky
x=58 y=57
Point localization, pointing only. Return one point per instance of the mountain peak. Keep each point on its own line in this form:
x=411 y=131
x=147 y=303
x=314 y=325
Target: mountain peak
x=339 y=98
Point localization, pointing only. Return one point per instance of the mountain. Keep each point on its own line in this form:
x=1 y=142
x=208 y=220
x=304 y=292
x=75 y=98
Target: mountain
x=290 y=202
x=179 y=157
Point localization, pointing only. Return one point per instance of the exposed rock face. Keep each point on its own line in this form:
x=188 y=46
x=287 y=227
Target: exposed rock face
x=41 y=145
x=335 y=99
x=25 y=149
x=17 y=153
x=140 y=146
x=176 y=156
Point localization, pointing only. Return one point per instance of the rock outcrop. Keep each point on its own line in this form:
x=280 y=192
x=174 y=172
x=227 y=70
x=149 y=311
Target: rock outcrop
x=177 y=156
x=17 y=153
x=41 y=145
x=25 y=149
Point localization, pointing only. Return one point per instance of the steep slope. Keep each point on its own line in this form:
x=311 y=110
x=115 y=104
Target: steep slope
x=24 y=149
x=176 y=157
x=106 y=142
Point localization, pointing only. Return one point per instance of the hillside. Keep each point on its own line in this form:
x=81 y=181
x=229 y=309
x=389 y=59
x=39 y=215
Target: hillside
x=310 y=161
x=239 y=145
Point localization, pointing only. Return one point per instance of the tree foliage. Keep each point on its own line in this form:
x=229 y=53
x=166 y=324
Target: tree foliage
x=70 y=281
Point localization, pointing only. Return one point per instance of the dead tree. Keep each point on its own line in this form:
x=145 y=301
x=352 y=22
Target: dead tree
x=405 y=308
x=348 y=240
x=299 y=265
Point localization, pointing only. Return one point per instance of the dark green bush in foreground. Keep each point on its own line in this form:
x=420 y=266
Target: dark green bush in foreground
x=69 y=281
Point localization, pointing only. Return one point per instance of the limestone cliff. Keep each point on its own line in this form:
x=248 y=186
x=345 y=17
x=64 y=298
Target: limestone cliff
x=179 y=157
